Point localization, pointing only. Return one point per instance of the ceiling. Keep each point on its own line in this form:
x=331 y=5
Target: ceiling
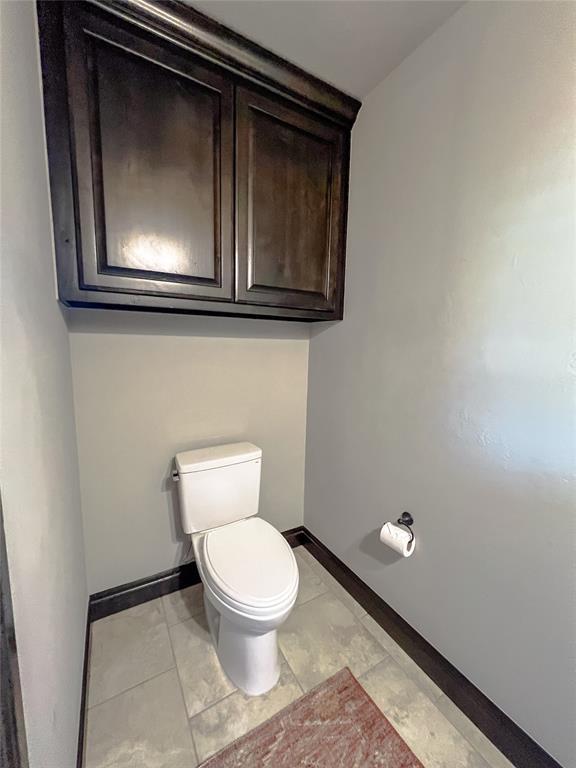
x=352 y=44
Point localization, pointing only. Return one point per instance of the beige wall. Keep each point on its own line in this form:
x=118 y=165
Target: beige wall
x=147 y=386
x=38 y=470
x=448 y=390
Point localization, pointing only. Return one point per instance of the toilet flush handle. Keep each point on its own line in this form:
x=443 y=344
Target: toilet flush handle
x=175 y=476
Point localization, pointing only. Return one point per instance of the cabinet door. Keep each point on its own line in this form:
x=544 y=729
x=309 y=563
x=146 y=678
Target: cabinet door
x=153 y=140
x=291 y=207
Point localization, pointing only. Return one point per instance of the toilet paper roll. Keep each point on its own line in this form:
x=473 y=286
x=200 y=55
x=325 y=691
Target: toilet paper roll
x=397 y=538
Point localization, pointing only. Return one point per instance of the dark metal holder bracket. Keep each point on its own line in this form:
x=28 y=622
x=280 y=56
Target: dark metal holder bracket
x=407 y=521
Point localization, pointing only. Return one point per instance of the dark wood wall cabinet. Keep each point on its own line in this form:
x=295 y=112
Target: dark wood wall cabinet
x=190 y=169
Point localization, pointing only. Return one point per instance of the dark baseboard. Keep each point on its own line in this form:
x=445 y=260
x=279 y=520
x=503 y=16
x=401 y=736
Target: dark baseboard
x=508 y=737
x=503 y=732
x=84 y=694
x=127 y=595
x=296 y=537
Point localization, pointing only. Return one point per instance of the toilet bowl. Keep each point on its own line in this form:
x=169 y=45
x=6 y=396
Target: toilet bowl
x=250 y=579
x=248 y=570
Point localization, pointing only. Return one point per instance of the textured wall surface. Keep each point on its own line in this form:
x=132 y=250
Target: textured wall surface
x=148 y=386
x=447 y=390
x=38 y=471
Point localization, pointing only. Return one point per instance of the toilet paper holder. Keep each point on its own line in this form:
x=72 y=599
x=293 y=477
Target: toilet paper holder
x=407 y=521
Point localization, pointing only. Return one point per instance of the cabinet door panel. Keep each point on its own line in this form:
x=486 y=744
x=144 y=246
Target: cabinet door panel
x=290 y=206
x=153 y=136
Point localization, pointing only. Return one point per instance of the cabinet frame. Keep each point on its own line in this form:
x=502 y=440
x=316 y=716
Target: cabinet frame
x=241 y=63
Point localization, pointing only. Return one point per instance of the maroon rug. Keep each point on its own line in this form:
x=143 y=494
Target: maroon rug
x=336 y=725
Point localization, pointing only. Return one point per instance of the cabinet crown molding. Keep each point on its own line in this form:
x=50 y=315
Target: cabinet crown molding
x=196 y=32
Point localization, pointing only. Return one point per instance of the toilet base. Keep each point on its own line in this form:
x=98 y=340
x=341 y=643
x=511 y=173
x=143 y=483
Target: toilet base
x=249 y=660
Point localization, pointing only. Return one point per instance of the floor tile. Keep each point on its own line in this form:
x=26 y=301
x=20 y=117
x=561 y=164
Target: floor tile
x=322 y=636
x=409 y=666
x=150 y=611
x=431 y=737
x=237 y=714
x=311 y=585
x=183 y=604
x=140 y=705
x=466 y=727
x=127 y=649
x=145 y=727
x=333 y=585
x=345 y=596
x=203 y=681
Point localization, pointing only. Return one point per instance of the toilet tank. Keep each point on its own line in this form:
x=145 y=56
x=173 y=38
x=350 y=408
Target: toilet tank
x=218 y=485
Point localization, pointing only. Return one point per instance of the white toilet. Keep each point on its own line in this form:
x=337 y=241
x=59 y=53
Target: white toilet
x=248 y=569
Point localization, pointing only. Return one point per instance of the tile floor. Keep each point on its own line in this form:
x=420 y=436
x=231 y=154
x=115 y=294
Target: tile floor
x=157 y=697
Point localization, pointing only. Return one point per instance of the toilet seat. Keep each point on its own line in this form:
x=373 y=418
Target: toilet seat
x=250 y=567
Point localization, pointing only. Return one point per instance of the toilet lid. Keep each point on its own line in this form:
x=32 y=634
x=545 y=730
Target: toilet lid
x=251 y=562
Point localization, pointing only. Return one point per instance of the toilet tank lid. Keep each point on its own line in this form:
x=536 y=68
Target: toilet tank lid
x=216 y=456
